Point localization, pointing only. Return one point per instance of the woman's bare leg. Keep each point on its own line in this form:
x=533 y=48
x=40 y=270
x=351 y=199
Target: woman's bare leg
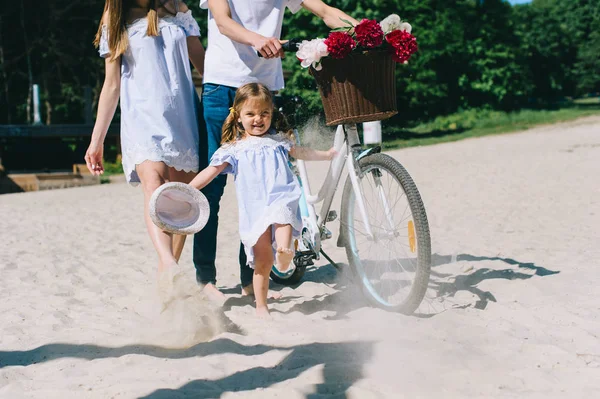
x=178 y=243
x=183 y=177
x=153 y=175
x=263 y=261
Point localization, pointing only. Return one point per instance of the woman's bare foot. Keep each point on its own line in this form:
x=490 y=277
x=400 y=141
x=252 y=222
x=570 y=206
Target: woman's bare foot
x=284 y=258
x=164 y=281
x=213 y=293
x=249 y=291
x=263 y=313
x=166 y=265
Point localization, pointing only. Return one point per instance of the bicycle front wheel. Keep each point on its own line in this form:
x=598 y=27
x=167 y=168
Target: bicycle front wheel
x=388 y=245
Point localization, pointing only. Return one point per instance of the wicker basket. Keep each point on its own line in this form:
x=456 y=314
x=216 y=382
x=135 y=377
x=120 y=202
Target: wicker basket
x=358 y=88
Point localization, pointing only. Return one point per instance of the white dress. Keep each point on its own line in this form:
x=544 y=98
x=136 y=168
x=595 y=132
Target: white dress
x=158 y=118
x=267 y=190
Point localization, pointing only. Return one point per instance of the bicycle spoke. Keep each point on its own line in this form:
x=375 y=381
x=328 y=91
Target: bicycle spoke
x=381 y=265
x=387 y=260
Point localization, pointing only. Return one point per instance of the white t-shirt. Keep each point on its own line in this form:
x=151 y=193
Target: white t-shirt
x=234 y=64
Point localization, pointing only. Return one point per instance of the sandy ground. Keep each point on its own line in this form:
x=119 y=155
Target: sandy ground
x=513 y=309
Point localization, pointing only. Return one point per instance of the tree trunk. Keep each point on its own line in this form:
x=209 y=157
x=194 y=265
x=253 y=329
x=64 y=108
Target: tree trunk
x=27 y=52
x=4 y=77
x=47 y=102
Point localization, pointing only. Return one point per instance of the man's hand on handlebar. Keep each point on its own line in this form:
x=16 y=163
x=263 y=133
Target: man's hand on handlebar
x=268 y=47
x=284 y=46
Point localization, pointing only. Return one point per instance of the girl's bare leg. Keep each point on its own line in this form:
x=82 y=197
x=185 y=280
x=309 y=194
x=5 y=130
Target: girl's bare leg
x=153 y=175
x=263 y=261
x=183 y=177
x=248 y=290
x=285 y=253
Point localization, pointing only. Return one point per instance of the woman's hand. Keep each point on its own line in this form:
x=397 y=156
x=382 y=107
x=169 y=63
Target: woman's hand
x=109 y=98
x=93 y=158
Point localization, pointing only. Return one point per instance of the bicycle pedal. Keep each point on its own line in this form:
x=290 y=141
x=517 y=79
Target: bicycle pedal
x=304 y=254
x=331 y=216
x=303 y=260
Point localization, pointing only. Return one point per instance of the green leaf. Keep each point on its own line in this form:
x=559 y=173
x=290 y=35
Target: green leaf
x=347 y=22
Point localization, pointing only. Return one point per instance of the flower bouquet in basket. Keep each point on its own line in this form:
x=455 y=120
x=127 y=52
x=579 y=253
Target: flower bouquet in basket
x=354 y=68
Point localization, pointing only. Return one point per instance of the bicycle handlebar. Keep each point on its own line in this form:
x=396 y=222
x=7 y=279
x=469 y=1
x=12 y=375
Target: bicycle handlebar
x=289 y=46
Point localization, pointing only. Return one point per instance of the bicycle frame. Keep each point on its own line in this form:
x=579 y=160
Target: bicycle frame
x=347 y=145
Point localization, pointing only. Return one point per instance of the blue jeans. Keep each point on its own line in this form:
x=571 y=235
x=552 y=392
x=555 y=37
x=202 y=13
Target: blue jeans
x=216 y=100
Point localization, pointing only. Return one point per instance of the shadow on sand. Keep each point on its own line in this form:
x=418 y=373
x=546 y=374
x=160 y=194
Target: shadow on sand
x=348 y=296
x=342 y=367
x=469 y=282
x=342 y=364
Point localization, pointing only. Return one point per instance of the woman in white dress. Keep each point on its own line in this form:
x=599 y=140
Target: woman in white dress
x=146 y=45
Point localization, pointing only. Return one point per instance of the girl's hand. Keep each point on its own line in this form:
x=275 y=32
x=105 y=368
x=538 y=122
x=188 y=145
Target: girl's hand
x=331 y=153
x=93 y=158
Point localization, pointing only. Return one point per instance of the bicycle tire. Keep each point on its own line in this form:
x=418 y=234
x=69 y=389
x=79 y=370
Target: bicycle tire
x=423 y=266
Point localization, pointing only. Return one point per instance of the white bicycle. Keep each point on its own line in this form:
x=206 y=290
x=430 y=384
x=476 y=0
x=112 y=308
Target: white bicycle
x=383 y=224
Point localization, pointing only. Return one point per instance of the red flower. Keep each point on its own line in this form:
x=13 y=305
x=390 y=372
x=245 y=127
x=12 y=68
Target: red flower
x=403 y=45
x=369 y=33
x=339 y=44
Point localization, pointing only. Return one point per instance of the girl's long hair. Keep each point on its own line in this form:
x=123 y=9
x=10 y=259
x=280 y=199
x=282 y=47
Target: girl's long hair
x=115 y=20
x=232 y=129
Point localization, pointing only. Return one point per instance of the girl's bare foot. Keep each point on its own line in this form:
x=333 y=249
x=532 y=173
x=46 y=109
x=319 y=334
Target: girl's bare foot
x=249 y=291
x=263 y=313
x=284 y=258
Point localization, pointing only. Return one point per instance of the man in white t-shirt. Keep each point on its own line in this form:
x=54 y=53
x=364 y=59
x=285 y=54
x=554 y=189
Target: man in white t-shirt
x=237 y=29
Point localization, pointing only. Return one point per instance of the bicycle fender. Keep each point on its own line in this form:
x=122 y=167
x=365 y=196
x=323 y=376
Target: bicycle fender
x=368 y=151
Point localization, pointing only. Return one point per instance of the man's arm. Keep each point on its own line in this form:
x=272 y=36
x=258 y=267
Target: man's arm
x=330 y=15
x=269 y=47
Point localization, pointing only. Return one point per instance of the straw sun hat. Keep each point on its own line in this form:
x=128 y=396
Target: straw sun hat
x=179 y=208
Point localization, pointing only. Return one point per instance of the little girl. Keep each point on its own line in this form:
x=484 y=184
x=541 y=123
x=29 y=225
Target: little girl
x=267 y=190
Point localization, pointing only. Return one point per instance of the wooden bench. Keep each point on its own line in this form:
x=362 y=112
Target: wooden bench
x=54 y=171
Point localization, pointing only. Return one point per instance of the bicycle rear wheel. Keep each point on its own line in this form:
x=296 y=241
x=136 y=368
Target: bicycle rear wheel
x=392 y=262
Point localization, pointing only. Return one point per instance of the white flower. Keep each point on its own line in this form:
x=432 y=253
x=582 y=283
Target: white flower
x=406 y=26
x=390 y=23
x=310 y=53
x=393 y=22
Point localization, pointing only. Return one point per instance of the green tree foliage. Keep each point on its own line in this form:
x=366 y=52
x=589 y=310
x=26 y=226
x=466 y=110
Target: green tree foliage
x=52 y=39
x=472 y=54
x=469 y=55
x=49 y=43
x=557 y=39
x=587 y=68
x=495 y=75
